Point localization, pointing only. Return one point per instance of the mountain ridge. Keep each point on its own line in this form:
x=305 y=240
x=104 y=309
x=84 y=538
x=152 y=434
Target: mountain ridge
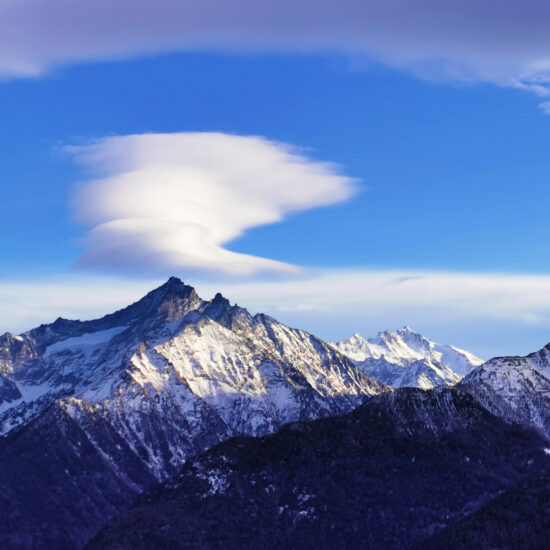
x=515 y=388
x=142 y=390
x=405 y=358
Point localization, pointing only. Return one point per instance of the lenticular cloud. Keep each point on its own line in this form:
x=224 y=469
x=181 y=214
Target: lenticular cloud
x=173 y=201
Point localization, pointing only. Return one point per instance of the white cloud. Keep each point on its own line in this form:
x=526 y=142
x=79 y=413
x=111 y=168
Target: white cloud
x=500 y=41
x=170 y=202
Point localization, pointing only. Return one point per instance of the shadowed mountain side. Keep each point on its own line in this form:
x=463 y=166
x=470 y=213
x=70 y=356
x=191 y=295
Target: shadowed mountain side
x=391 y=473
x=518 y=518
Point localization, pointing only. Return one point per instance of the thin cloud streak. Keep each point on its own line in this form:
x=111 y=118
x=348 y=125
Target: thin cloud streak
x=25 y=304
x=450 y=296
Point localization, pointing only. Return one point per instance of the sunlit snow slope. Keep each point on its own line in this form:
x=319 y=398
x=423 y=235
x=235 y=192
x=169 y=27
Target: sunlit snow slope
x=406 y=359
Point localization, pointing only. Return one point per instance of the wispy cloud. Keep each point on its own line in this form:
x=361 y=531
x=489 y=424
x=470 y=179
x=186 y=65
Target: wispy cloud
x=487 y=313
x=447 y=295
x=504 y=42
x=170 y=202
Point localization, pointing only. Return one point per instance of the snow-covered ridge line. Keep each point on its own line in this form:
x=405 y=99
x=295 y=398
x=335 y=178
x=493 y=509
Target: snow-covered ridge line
x=406 y=358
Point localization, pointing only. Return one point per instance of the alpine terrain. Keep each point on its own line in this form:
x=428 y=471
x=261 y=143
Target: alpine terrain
x=463 y=467
x=515 y=388
x=179 y=422
x=93 y=412
x=388 y=475
x=407 y=359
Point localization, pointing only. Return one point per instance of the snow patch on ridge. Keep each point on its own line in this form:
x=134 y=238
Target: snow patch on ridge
x=86 y=343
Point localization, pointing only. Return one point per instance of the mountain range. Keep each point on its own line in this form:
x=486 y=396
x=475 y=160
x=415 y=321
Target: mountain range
x=94 y=412
x=179 y=422
x=405 y=358
x=463 y=467
x=389 y=475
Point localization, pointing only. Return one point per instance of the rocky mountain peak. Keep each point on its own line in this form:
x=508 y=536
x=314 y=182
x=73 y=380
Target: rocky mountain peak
x=175 y=299
x=220 y=300
x=173 y=289
x=170 y=302
x=408 y=333
x=515 y=388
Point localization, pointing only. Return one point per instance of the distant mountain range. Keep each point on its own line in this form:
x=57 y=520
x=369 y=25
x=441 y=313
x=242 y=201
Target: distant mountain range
x=407 y=359
x=234 y=430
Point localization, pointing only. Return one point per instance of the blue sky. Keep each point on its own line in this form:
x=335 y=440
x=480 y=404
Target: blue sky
x=448 y=173
x=450 y=178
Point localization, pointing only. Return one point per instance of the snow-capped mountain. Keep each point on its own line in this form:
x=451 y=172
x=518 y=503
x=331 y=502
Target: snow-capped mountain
x=92 y=413
x=139 y=391
x=515 y=388
x=407 y=359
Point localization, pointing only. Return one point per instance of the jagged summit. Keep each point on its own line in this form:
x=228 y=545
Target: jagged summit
x=220 y=299
x=173 y=287
x=406 y=358
x=174 y=290
x=174 y=280
x=171 y=301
